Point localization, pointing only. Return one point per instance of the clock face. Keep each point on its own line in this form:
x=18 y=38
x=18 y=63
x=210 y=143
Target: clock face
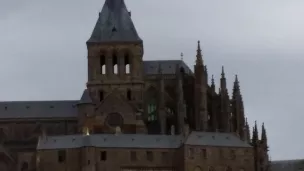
x=114 y=120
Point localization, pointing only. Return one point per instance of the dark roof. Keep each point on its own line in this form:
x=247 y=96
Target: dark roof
x=140 y=141
x=167 y=66
x=216 y=139
x=85 y=98
x=114 y=24
x=38 y=109
x=287 y=165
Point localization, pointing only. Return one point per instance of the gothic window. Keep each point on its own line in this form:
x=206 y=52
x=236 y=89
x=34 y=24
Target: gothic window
x=129 y=95
x=103 y=156
x=103 y=64
x=127 y=64
x=115 y=66
x=152 y=110
x=101 y=95
x=61 y=156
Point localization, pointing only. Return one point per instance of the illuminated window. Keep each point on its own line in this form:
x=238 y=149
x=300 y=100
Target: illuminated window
x=152 y=111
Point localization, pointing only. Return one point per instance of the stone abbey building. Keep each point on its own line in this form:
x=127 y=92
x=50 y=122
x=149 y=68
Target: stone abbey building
x=134 y=115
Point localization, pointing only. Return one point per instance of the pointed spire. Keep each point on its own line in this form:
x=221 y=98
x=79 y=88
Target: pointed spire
x=212 y=80
x=223 y=72
x=114 y=24
x=255 y=134
x=182 y=56
x=199 y=57
x=236 y=85
x=264 y=135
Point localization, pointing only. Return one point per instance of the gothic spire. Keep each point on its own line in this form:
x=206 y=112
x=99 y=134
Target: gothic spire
x=212 y=83
x=223 y=80
x=255 y=134
x=199 y=56
x=114 y=24
x=264 y=135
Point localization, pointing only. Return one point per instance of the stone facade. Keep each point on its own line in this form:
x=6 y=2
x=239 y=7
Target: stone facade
x=133 y=115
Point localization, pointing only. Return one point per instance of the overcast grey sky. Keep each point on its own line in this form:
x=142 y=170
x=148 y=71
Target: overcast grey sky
x=43 y=52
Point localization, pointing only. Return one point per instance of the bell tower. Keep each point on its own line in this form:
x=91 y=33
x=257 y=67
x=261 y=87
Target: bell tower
x=115 y=59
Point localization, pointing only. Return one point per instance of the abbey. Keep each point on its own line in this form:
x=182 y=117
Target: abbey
x=134 y=115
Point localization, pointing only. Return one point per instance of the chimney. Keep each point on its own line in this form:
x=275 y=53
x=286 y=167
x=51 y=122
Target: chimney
x=117 y=130
x=172 y=130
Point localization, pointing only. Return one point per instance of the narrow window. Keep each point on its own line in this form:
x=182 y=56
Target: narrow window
x=133 y=156
x=61 y=156
x=129 y=95
x=103 y=64
x=149 y=156
x=115 y=66
x=101 y=95
x=103 y=155
x=127 y=64
x=89 y=162
x=190 y=153
x=204 y=154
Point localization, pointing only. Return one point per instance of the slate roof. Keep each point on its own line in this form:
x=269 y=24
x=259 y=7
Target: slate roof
x=215 y=139
x=38 y=109
x=139 y=141
x=167 y=66
x=110 y=141
x=114 y=24
x=288 y=165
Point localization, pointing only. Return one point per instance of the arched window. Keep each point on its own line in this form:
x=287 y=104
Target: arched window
x=127 y=63
x=103 y=64
x=152 y=110
x=101 y=95
x=129 y=95
x=115 y=66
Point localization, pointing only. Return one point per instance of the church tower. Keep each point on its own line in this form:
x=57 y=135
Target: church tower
x=115 y=65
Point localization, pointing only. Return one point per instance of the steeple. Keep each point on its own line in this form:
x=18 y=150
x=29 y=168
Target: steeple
x=223 y=80
x=264 y=136
x=114 y=25
x=212 y=84
x=255 y=135
x=238 y=110
x=199 y=56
